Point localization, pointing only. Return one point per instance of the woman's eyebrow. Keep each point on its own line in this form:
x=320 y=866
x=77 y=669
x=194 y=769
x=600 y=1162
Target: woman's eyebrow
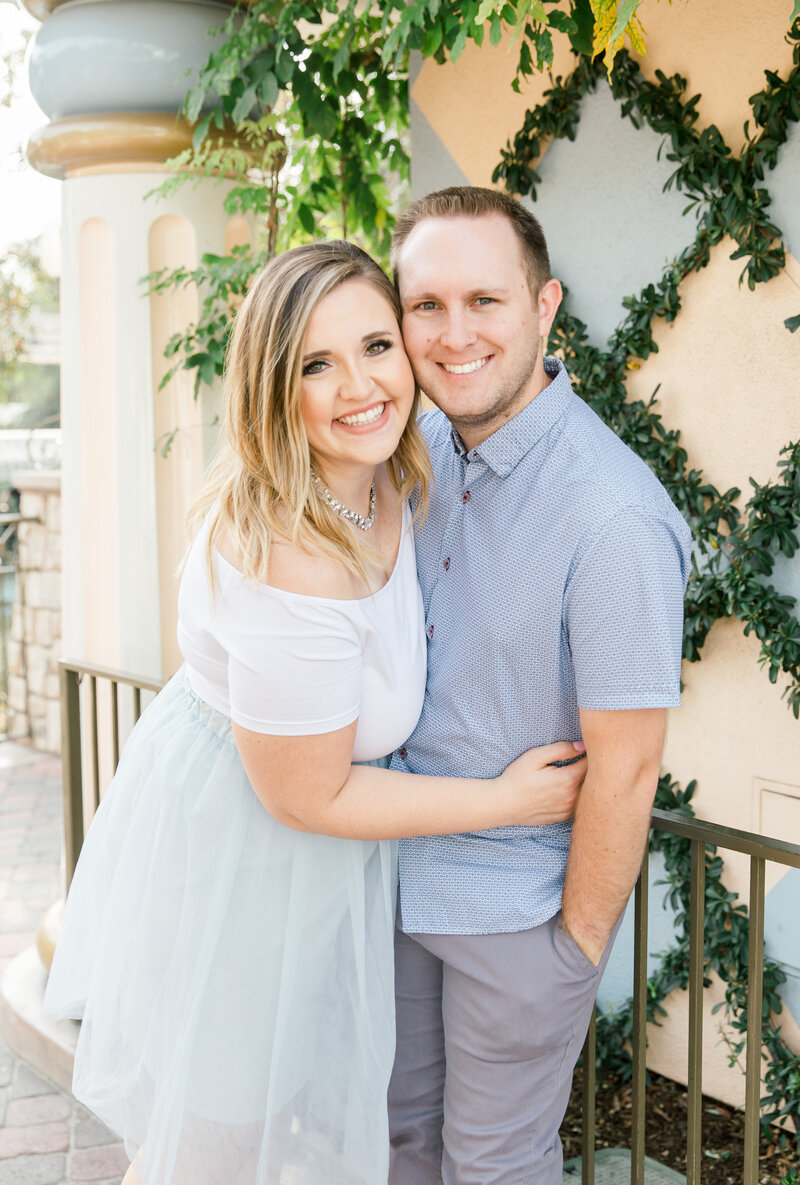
x=366 y=338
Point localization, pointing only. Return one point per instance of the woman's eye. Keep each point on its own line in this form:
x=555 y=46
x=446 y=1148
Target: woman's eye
x=379 y=347
x=315 y=367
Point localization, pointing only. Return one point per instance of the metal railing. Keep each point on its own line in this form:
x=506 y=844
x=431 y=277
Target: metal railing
x=759 y=849
x=73 y=675
x=701 y=835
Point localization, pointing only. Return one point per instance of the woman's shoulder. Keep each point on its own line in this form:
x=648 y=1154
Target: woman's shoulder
x=311 y=572
x=292 y=569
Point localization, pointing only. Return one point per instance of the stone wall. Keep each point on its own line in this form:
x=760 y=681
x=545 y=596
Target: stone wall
x=35 y=646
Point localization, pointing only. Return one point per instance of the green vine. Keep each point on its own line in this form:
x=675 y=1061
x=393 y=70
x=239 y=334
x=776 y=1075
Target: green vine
x=736 y=548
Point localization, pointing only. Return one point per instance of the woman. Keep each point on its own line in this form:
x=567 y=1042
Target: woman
x=233 y=962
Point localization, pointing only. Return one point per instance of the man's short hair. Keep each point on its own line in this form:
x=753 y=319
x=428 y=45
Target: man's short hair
x=473 y=202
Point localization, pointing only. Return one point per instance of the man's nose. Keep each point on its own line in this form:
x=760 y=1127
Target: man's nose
x=457 y=332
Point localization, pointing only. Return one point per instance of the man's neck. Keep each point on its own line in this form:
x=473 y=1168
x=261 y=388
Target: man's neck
x=473 y=435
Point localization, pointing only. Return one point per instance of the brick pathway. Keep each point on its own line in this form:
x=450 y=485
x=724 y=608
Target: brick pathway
x=46 y=1138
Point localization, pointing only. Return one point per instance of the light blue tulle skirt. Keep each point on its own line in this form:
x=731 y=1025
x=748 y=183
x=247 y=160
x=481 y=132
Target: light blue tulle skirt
x=234 y=977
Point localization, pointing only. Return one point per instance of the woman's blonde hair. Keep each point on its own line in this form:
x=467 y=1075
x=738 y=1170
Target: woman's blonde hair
x=260 y=485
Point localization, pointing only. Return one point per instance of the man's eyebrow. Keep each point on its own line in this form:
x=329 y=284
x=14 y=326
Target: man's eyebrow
x=486 y=290
x=368 y=337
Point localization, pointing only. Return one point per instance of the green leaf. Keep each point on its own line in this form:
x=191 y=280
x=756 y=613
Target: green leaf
x=624 y=13
x=793 y=323
x=268 y=90
x=200 y=132
x=457 y=47
x=316 y=112
x=194 y=103
x=583 y=37
x=489 y=8
x=245 y=105
x=306 y=216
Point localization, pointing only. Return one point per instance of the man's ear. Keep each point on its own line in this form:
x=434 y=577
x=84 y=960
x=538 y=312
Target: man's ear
x=547 y=305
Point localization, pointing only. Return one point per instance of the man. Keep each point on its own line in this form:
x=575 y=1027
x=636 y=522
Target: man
x=552 y=566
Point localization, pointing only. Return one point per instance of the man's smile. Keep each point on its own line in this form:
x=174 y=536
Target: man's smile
x=465 y=367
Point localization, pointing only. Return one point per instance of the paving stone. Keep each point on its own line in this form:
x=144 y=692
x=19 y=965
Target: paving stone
x=96 y=1164
x=13 y=944
x=33 y=1170
x=41 y=1109
x=27 y=1083
x=35 y=1140
x=90 y=1132
x=16 y=918
x=36 y=890
x=3 y=1102
x=35 y=872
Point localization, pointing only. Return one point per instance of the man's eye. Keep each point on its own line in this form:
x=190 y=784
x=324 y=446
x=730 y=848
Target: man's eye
x=380 y=346
x=484 y=300
x=425 y=306
x=315 y=367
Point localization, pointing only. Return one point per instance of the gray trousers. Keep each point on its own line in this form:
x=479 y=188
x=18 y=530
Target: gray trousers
x=489 y=1028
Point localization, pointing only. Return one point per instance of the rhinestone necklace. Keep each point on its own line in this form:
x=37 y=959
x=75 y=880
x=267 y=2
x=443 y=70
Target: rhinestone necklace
x=363 y=522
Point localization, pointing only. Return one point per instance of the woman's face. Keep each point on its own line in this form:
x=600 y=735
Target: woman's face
x=357 y=386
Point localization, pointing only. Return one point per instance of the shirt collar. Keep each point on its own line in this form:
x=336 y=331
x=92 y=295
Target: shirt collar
x=505 y=448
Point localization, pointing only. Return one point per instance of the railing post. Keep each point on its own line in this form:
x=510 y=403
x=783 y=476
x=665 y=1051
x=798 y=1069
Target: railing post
x=697 y=900
x=755 y=996
x=589 y=1086
x=72 y=770
x=639 y=1052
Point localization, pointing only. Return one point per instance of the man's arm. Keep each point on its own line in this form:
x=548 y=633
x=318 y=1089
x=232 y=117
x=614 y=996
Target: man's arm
x=611 y=820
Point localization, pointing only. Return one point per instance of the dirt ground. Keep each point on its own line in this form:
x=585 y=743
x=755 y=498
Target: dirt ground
x=665 y=1132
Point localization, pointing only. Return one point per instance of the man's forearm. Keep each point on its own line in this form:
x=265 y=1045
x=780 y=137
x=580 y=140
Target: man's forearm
x=608 y=839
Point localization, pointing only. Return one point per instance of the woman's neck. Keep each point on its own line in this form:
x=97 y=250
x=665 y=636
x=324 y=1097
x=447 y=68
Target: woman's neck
x=350 y=485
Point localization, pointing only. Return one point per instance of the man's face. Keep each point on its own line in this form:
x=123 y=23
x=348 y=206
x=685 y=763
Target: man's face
x=471 y=325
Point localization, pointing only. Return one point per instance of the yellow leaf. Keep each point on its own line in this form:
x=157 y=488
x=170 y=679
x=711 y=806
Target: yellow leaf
x=606 y=13
x=636 y=32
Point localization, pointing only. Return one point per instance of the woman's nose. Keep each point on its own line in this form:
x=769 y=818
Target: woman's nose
x=358 y=382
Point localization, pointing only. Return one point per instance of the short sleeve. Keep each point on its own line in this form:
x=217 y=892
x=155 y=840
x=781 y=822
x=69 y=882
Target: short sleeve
x=294 y=662
x=623 y=613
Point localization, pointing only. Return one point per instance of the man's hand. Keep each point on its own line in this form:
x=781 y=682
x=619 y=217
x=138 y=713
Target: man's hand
x=611 y=821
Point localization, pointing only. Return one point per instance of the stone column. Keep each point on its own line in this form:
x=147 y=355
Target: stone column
x=111 y=75
x=35 y=645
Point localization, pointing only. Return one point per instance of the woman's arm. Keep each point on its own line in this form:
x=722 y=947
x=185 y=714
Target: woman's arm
x=308 y=783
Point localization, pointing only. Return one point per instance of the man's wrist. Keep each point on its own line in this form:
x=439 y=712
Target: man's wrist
x=586 y=938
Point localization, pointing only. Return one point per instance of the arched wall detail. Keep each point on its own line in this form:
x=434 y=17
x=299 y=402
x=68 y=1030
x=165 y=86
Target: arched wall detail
x=177 y=420
x=237 y=233
x=98 y=442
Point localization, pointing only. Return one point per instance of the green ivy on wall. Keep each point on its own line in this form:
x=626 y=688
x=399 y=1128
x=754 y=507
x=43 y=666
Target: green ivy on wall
x=735 y=549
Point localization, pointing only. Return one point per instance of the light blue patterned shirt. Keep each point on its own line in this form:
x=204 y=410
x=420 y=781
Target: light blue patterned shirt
x=553 y=566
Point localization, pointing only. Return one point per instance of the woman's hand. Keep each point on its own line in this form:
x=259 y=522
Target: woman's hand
x=540 y=792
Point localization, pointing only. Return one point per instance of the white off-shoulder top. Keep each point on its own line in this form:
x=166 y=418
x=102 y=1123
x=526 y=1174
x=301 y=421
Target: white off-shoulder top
x=289 y=664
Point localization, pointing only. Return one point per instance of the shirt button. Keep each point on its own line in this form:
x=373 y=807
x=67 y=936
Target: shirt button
x=402 y=752
x=430 y=631
x=447 y=564
x=465 y=496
